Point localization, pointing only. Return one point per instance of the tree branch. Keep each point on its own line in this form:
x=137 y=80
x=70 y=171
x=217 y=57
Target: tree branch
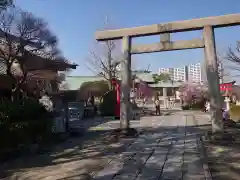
x=234 y=56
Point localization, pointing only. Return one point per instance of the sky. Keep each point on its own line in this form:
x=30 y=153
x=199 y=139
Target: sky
x=75 y=22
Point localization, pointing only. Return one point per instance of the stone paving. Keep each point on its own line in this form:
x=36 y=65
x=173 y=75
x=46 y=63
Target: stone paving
x=172 y=151
x=169 y=148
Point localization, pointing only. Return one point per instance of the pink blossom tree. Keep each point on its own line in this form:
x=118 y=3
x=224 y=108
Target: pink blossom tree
x=193 y=92
x=144 y=89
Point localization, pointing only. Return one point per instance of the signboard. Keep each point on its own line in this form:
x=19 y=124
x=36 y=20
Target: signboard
x=226 y=87
x=76 y=110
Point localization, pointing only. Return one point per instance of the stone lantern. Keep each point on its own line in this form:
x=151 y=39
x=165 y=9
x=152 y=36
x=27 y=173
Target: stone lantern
x=227 y=100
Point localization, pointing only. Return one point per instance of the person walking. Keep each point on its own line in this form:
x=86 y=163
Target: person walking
x=157 y=105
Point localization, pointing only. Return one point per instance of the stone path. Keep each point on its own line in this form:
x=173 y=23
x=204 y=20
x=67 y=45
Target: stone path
x=172 y=150
x=169 y=148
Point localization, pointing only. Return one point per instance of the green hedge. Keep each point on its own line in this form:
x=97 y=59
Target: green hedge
x=22 y=123
x=108 y=103
x=96 y=88
x=185 y=107
x=194 y=106
x=21 y=111
x=198 y=105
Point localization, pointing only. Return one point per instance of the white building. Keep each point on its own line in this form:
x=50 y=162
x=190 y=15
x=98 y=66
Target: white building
x=176 y=74
x=192 y=72
x=195 y=72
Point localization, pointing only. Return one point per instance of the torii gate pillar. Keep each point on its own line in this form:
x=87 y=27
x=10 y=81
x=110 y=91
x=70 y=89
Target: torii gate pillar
x=125 y=83
x=216 y=101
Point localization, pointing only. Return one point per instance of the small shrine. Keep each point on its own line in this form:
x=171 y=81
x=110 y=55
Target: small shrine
x=226 y=89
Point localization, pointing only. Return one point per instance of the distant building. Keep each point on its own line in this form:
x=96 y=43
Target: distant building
x=176 y=74
x=195 y=72
x=192 y=72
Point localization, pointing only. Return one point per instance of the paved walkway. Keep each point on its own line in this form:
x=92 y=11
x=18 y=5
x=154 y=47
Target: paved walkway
x=172 y=150
x=169 y=148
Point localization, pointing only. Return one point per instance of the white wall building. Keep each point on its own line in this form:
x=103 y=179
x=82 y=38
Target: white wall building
x=176 y=74
x=192 y=72
x=195 y=72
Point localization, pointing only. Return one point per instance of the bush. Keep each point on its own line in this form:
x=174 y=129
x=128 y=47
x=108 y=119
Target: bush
x=23 y=122
x=19 y=111
x=108 y=104
x=96 y=88
x=234 y=112
x=185 y=107
x=197 y=105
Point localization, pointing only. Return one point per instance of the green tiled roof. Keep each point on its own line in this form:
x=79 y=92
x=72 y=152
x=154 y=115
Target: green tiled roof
x=147 y=77
x=75 y=82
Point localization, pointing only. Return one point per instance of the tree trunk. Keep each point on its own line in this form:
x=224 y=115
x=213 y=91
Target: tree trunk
x=13 y=83
x=110 y=77
x=110 y=86
x=17 y=88
x=16 y=92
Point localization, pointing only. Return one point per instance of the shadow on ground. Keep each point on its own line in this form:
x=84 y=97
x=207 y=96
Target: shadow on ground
x=224 y=156
x=149 y=112
x=83 y=157
x=73 y=151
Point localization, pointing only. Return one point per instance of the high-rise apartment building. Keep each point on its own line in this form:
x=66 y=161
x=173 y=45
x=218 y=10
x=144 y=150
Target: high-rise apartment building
x=192 y=72
x=195 y=72
x=176 y=74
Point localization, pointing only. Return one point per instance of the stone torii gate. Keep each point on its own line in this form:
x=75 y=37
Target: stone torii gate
x=208 y=43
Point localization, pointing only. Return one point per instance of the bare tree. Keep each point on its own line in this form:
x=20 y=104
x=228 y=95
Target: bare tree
x=222 y=69
x=234 y=57
x=104 y=59
x=22 y=36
